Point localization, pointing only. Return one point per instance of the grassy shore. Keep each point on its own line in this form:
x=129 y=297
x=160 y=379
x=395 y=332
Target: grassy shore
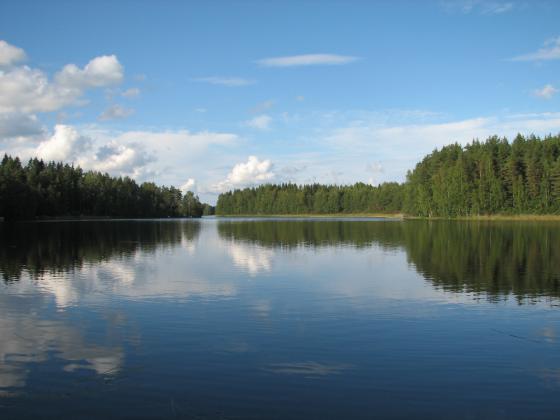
x=322 y=215
x=400 y=216
x=516 y=217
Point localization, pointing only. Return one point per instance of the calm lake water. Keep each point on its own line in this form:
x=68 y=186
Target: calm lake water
x=280 y=319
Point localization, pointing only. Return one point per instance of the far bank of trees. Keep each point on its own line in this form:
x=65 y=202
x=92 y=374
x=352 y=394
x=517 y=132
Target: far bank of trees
x=490 y=177
x=495 y=176
x=312 y=199
x=51 y=189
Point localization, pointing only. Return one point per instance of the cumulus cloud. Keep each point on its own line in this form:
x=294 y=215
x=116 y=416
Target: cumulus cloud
x=550 y=51
x=260 y=122
x=143 y=155
x=115 y=112
x=28 y=90
x=306 y=60
x=122 y=159
x=64 y=145
x=189 y=185
x=225 y=81
x=10 y=54
x=546 y=92
x=99 y=72
x=252 y=172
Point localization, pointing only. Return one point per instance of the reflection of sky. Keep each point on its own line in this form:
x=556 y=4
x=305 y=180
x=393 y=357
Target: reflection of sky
x=292 y=311
x=28 y=338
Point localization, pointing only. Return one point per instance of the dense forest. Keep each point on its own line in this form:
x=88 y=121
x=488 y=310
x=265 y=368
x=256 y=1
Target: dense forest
x=481 y=178
x=316 y=198
x=489 y=177
x=51 y=189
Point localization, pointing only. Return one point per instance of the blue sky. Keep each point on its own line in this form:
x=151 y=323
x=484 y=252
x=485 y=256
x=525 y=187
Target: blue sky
x=218 y=95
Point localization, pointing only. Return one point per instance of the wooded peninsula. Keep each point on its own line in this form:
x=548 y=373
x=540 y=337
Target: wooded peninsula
x=482 y=178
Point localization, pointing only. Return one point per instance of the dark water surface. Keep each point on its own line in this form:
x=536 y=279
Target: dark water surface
x=280 y=319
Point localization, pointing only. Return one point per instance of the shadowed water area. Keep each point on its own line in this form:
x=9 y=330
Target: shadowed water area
x=279 y=318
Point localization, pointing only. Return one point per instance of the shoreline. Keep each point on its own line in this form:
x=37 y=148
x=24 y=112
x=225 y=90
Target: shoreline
x=400 y=216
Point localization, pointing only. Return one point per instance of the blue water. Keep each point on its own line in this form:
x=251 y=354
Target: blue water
x=279 y=319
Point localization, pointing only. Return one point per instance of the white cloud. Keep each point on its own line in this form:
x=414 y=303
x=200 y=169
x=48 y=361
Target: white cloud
x=190 y=185
x=550 y=51
x=101 y=71
x=10 y=54
x=159 y=156
x=120 y=159
x=64 y=145
x=29 y=90
x=253 y=172
x=115 y=112
x=307 y=60
x=131 y=93
x=260 y=122
x=225 y=81
x=546 y=92
x=177 y=142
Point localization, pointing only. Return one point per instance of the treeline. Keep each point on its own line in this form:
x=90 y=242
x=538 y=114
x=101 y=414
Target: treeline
x=488 y=177
x=491 y=177
x=52 y=189
x=316 y=198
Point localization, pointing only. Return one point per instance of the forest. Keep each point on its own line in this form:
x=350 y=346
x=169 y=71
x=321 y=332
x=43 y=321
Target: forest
x=313 y=199
x=482 y=178
x=52 y=189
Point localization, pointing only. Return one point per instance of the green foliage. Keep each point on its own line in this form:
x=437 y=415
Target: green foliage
x=487 y=178
x=318 y=199
x=56 y=189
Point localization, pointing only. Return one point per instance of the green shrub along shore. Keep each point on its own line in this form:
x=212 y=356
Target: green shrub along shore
x=491 y=180
x=494 y=179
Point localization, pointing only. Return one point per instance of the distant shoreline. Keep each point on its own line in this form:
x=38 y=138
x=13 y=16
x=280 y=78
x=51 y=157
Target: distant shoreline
x=400 y=216
x=320 y=215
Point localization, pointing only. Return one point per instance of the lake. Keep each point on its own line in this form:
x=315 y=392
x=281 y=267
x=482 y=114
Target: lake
x=279 y=319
